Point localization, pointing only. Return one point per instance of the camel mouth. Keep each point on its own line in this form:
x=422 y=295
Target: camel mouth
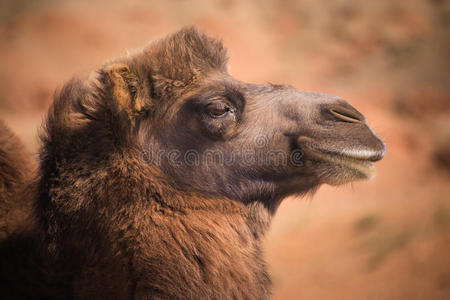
x=357 y=160
x=363 y=166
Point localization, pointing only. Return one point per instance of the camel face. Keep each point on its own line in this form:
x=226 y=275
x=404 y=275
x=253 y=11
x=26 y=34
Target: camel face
x=217 y=136
x=255 y=142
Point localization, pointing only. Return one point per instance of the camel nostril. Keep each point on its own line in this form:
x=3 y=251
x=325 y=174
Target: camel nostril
x=347 y=115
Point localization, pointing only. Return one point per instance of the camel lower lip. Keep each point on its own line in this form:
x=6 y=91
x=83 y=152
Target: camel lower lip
x=357 y=163
x=361 y=165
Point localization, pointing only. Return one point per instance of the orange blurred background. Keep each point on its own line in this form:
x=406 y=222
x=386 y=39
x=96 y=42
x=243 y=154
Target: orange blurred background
x=388 y=238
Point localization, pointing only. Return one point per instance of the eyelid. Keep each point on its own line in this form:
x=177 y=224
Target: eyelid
x=203 y=101
x=222 y=100
x=218 y=109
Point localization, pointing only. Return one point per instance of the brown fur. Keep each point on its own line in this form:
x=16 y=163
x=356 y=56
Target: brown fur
x=15 y=170
x=111 y=223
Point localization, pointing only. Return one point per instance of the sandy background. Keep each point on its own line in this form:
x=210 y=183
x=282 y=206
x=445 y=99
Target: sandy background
x=384 y=239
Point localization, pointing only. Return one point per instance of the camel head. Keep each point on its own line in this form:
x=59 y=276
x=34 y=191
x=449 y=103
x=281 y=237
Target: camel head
x=216 y=135
x=206 y=132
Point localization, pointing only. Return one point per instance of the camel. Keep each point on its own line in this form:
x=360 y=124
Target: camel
x=159 y=174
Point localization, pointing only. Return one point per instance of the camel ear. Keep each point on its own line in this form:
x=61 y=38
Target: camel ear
x=121 y=85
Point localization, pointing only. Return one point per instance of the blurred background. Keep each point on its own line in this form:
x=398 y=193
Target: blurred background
x=388 y=238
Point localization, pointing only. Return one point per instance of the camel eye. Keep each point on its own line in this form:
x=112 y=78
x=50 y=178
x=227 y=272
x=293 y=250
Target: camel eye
x=218 y=109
